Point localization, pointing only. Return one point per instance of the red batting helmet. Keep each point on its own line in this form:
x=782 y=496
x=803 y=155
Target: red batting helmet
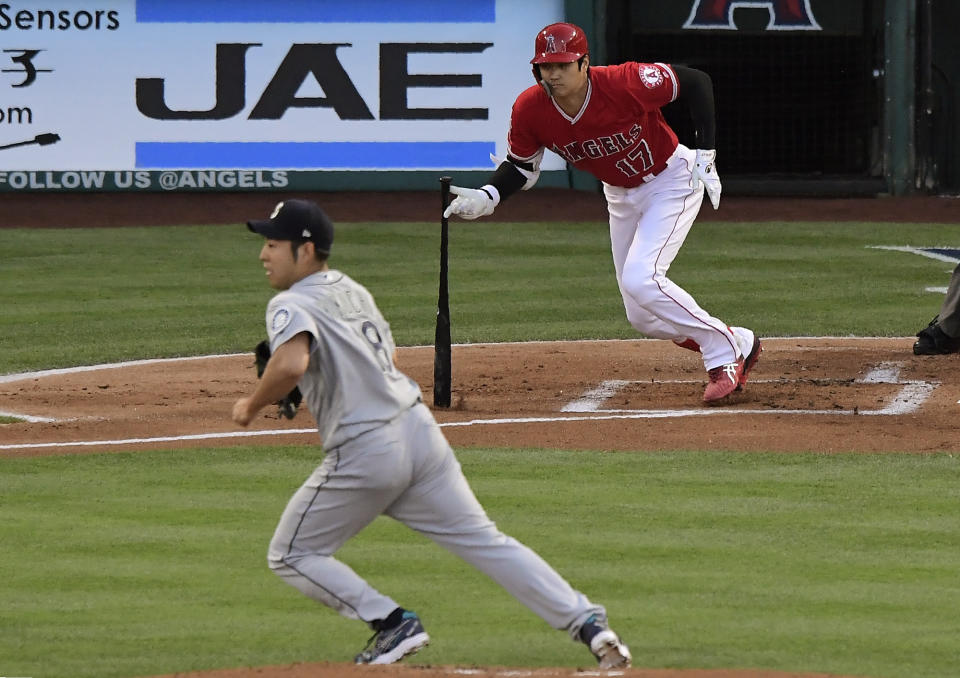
x=559 y=44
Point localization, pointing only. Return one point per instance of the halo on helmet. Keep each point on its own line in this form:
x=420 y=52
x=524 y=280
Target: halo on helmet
x=559 y=43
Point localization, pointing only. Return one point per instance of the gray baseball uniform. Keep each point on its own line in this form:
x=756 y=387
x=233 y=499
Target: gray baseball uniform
x=385 y=454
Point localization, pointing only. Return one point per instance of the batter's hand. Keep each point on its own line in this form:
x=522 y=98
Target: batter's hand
x=472 y=203
x=705 y=170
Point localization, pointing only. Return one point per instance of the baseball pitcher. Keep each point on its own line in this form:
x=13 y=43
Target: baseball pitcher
x=607 y=120
x=385 y=454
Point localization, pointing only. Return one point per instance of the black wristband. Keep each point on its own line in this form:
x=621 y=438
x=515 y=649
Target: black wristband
x=507 y=179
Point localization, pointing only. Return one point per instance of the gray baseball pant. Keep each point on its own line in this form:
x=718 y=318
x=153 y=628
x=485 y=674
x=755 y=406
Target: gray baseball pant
x=406 y=470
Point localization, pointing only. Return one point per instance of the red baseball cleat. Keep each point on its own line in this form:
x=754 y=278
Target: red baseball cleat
x=723 y=381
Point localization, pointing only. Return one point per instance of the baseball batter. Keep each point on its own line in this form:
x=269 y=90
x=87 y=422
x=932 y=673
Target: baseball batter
x=607 y=120
x=385 y=454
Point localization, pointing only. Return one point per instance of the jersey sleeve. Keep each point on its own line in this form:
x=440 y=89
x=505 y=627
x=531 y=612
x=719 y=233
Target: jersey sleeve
x=652 y=85
x=286 y=319
x=522 y=141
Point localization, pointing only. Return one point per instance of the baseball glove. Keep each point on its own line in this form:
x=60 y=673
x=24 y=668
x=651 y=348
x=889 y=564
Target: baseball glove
x=287 y=407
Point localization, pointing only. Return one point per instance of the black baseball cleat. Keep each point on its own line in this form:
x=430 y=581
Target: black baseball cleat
x=391 y=645
x=932 y=340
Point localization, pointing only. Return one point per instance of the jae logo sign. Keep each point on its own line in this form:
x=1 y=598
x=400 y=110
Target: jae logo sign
x=282 y=85
x=319 y=63
x=355 y=85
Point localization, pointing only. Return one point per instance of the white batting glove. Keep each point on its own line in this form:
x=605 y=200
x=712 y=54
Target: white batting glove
x=473 y=203
x=705 y=170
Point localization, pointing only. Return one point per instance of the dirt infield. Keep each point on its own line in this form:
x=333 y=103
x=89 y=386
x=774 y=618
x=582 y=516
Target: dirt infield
x=824 y=395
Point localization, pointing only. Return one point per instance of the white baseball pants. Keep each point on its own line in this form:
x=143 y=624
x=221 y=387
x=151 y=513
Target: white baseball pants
x=648 y=225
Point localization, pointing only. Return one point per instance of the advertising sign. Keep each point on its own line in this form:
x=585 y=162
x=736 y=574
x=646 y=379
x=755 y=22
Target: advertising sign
x=187 y=94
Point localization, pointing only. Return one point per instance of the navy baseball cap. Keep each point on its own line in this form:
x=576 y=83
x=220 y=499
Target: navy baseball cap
x=297 y=220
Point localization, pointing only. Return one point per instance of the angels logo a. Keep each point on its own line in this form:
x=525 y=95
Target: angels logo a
x=785 y=15
x=651 y=76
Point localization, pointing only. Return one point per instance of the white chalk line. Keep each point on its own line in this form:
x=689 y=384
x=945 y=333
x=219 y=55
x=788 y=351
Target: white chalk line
x=162 y=439
x=922 y=251
x=23 y=376
x=29 y=417
x=908 y=399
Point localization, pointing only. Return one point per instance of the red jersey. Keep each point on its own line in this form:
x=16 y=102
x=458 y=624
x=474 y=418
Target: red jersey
x=619 y=135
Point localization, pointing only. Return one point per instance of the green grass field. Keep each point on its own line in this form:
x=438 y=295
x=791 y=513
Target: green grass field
x=84 y=296
x=122 y=565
